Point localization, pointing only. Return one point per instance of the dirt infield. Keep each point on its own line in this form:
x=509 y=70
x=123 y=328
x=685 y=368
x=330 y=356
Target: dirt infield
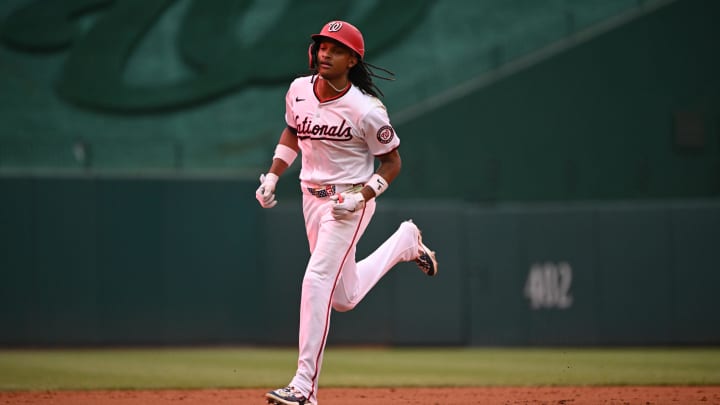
x=705 y=395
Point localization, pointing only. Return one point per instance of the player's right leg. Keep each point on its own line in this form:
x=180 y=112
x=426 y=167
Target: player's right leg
x=334 y=245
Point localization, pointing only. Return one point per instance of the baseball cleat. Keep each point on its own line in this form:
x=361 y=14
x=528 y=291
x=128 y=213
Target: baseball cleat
x=426 y=260
x=286 y=396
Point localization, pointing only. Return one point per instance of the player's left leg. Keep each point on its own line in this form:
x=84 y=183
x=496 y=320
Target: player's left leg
x=359 y=278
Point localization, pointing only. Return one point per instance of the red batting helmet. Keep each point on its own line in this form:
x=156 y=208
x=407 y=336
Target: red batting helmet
x=345 y=33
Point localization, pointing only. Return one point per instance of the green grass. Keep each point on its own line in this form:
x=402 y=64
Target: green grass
x=349 y=367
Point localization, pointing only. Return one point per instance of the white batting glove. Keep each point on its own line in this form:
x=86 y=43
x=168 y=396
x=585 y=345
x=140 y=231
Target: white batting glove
x=265 y=194
x=346 y=203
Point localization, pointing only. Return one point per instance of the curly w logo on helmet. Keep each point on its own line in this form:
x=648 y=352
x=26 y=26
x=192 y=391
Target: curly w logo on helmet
x=335 y=26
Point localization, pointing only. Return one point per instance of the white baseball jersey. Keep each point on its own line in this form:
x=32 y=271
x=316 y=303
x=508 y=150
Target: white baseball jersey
x=339 y=138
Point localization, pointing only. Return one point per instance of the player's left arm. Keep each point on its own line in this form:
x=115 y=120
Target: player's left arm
x=387 y=171
x=382 y=142
x=348 y=202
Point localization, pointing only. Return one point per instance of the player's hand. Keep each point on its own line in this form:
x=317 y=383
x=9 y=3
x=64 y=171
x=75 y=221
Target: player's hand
x=265 y=194
x=345 y=204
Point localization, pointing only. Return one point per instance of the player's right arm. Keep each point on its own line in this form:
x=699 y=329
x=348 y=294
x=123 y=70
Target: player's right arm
x=285 y=153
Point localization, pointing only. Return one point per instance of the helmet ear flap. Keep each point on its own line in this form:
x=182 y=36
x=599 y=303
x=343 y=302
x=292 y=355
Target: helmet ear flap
x=312 y=55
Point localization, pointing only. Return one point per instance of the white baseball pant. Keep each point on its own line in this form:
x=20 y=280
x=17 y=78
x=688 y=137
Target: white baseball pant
x=333 y=280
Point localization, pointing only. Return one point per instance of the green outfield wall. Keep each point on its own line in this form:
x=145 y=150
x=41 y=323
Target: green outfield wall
x=157 y=261
x=564 y=163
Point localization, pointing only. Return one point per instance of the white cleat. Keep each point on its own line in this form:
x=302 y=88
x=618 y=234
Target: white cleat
x=426 y=259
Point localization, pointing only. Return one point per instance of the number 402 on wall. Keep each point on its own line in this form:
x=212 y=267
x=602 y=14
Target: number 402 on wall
x=548 y=285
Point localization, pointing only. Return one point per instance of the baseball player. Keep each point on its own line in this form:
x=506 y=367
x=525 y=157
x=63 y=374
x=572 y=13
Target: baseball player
x=337 y=122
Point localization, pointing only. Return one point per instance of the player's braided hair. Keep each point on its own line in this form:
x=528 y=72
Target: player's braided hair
x=361 y=75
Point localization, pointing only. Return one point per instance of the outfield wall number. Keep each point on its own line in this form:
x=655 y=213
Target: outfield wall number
x=548 y=285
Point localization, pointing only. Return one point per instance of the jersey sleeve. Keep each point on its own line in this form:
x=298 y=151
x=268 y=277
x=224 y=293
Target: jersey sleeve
x=289 y=114
x=379 y=134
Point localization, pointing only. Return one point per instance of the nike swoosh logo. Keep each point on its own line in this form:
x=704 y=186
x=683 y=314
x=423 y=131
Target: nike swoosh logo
x=299 y=99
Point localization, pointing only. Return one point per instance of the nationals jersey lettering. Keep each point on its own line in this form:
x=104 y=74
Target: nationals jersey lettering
x=306 y=129
x=340 y=137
